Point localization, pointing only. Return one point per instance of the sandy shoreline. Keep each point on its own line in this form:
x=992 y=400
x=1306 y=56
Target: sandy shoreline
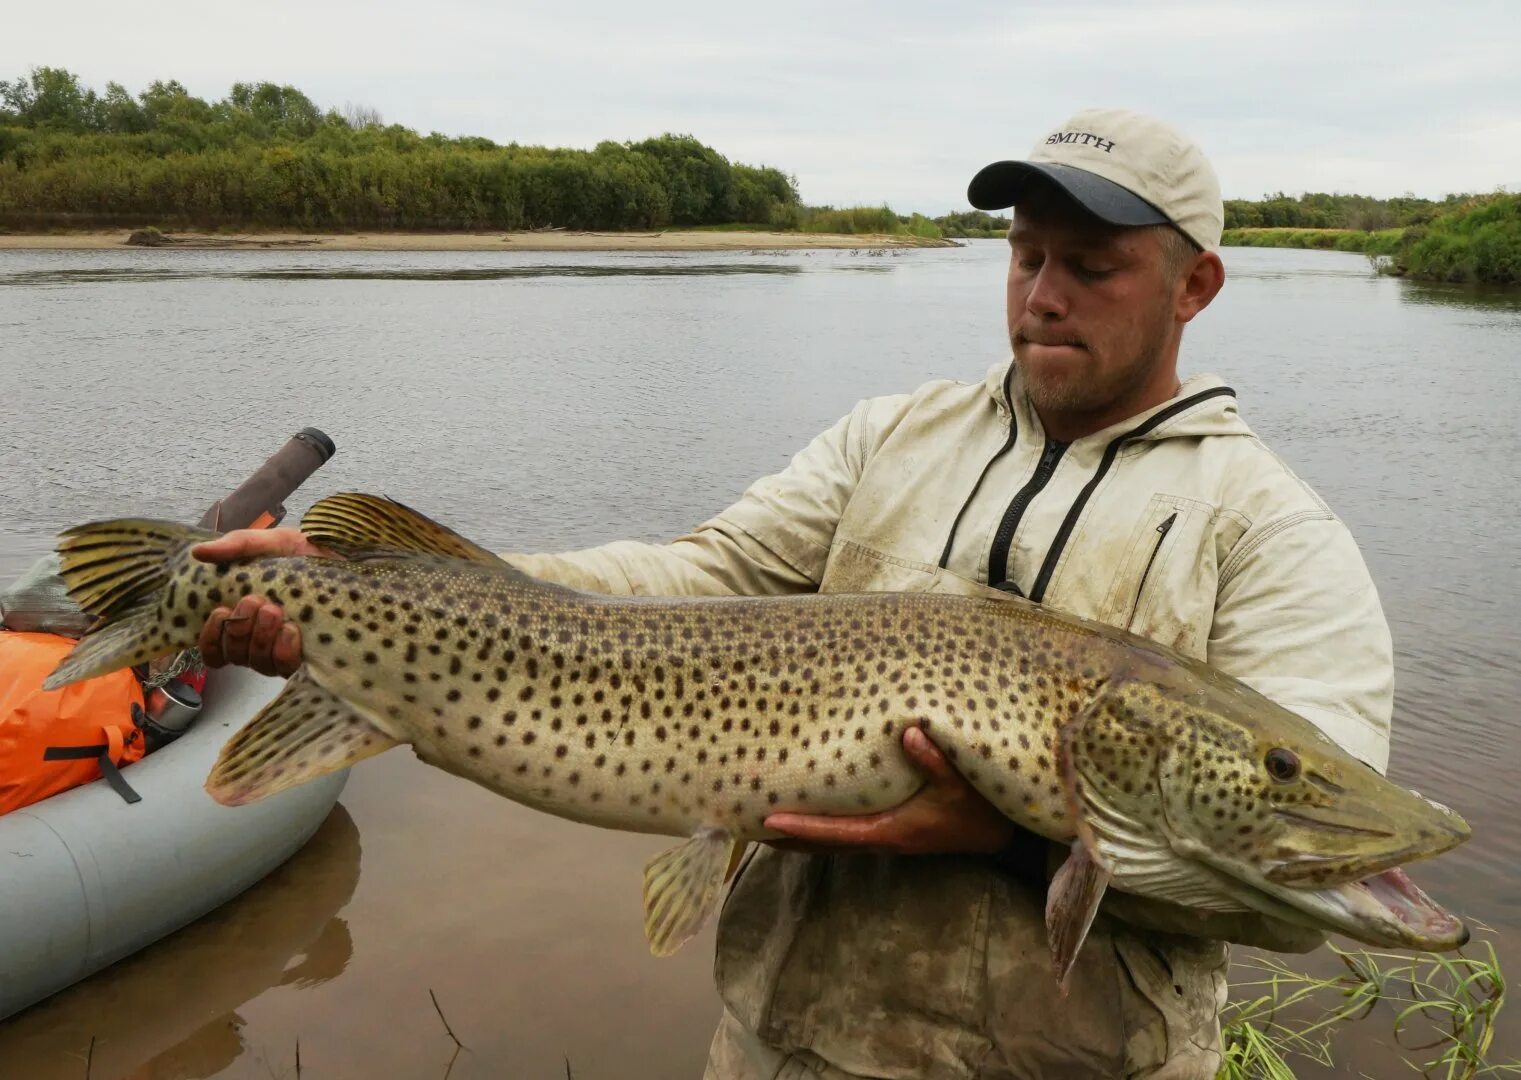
x=112 y=239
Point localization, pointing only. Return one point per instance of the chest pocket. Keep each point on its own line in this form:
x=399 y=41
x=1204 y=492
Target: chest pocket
x=1165 y=582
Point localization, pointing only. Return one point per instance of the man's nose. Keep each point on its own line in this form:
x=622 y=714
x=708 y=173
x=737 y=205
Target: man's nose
x=1046 y=299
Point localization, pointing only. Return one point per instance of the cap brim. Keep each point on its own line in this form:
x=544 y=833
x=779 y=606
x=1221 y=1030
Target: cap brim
x=1002 y=184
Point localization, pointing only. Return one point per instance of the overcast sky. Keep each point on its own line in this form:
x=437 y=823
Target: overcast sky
x=865 y=102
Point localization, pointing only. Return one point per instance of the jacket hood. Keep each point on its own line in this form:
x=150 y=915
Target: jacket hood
x=1204 y=405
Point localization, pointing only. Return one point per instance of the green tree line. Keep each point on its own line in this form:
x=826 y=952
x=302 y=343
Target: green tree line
x=266 y=155
x=1464 y=238
x=1319 y=210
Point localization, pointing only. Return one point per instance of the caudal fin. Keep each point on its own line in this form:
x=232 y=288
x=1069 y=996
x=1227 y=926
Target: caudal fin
x=116 y=571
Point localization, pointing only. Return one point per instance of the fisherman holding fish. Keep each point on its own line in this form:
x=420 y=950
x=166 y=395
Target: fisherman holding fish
x=1087 y=477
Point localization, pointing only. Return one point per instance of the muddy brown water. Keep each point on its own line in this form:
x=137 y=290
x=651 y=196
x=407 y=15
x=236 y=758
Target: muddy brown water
x=554 y=401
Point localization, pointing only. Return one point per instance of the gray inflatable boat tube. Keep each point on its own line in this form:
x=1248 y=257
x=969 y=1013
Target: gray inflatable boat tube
x=87 y=879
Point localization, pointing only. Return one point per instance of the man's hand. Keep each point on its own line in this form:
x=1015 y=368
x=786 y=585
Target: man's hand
x=254 y=633
x=946 y=816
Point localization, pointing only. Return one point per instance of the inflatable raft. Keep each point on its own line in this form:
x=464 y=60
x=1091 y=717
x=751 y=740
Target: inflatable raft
x=86 y=878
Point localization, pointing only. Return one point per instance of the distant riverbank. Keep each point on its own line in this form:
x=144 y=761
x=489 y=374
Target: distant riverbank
x=558 y=240
x=1477 y=240
x=1376 y=241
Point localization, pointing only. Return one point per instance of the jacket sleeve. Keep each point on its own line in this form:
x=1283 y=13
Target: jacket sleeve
x=1299 y=620
x=774 y=539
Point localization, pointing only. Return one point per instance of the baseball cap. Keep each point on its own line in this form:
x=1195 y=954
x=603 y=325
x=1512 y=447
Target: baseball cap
x=1124 y=167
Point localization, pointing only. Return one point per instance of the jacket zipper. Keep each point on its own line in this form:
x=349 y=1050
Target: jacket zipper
x=945 y=555
x=1053 y=556
x=998 y=555
x=1162 y=531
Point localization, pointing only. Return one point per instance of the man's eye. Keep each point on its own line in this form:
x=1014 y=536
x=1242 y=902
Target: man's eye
x=1093 y=273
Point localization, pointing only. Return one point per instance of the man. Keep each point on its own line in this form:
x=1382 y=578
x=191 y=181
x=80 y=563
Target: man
x=1085 y=476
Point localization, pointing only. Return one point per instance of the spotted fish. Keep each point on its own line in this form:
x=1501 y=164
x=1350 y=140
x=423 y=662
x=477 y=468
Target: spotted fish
x=698 y=717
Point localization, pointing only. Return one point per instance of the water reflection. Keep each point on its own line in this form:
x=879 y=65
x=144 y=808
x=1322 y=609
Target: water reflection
x=99 y=274
x=1495 y=298
x=170 y=1010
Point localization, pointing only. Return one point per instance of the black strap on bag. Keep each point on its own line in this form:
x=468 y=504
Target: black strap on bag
x=108 y=767
x=102 y=753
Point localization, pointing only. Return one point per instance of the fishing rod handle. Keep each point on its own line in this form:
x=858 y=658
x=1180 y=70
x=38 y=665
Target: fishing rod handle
x=272 y=483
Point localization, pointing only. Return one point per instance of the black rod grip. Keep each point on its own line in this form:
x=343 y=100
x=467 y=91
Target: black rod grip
x=272 y=483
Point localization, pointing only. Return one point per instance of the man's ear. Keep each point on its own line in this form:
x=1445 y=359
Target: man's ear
x=1201 y=285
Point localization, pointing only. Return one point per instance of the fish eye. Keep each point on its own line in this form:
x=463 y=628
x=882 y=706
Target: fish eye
x=1282 y=765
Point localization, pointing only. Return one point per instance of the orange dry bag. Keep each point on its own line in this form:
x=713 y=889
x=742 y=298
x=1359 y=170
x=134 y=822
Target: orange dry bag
x=52 y=740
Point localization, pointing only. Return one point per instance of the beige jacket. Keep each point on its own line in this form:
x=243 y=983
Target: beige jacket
x=1178 y=524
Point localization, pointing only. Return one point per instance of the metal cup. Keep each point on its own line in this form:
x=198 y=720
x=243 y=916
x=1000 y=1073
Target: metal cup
x=172 y=707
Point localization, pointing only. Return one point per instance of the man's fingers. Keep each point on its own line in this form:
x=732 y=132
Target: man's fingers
x=255 y=544
x=287 y=654
x=261 y=642
x=237 y=629
x=922 y=751
x=210 y=643
x=822 y=829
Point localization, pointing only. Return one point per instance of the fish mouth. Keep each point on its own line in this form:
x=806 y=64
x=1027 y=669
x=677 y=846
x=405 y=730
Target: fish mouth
x=1387 y=910
x=1439 y=832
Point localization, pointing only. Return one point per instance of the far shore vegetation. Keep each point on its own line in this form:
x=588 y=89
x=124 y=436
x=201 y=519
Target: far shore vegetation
x=267 y=157
x=1462 y=238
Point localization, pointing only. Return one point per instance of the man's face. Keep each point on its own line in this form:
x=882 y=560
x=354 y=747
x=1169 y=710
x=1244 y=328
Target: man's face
x=1090 y=306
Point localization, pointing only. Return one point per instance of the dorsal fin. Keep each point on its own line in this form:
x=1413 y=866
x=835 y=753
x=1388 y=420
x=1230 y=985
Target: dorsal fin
x=361 y=526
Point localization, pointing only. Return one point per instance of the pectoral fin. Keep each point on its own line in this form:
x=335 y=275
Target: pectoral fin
x=304 y=733
x=681 y=888
x=1071 y=903
x=1137 y=856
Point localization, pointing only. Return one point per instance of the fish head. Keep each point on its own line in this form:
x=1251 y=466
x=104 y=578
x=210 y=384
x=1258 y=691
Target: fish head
x=1268 y=810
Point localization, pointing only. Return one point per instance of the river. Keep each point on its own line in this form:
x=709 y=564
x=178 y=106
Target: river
x=549 y=401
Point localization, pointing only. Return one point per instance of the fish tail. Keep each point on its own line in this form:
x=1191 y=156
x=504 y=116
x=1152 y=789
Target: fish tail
x=118 y=571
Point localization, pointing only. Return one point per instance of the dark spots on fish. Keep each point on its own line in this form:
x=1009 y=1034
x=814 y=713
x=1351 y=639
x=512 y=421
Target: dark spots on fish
x=525 y=693
x=440 y=731
x=528 y=737
x=179 y=622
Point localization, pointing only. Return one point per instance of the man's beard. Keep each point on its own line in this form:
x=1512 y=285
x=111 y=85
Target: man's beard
x=1057 y=390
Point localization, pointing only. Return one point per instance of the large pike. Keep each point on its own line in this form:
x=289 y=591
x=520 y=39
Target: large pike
x=698 y=717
